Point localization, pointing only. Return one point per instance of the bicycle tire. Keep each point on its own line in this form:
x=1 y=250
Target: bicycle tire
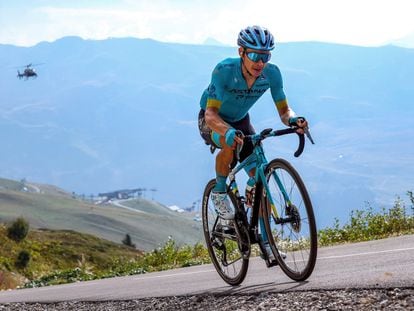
x=292 y=232
x=223 y=249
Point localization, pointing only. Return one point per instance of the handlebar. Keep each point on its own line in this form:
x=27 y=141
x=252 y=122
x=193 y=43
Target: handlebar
x=291 y=130
x=257 y=138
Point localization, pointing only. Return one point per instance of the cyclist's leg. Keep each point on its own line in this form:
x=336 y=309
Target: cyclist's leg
x=223 y=161
x=219 y=192
x=247 y=128
x=205 y=131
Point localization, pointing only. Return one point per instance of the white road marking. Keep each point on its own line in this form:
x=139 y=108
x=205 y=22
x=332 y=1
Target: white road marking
x=367 y=253
x=142 y=277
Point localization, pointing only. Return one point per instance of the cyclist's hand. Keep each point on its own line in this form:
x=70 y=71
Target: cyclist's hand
x=239 y=139
x=300 y=122
x=233 y=137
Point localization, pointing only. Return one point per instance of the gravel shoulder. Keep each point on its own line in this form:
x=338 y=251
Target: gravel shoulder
x=348 y=299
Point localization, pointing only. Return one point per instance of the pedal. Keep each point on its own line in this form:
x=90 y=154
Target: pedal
x=217 y=244
x=272 y=263
x=229 y=230
x=226 y=229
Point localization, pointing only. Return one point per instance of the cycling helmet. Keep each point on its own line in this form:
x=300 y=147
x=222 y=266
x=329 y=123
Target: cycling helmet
x=256 y=38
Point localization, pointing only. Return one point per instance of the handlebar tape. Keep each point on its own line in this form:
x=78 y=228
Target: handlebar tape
x=301 y=145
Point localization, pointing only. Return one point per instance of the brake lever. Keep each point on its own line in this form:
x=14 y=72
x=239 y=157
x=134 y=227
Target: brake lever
x=308 y=134
x=239 y=146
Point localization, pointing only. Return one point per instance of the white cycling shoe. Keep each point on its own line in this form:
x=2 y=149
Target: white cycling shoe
x=270 y=253
x=222 y=205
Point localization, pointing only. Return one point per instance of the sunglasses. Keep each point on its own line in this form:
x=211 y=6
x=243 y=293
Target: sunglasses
x=256 y=57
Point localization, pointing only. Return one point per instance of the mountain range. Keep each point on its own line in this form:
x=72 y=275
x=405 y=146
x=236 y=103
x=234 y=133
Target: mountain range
x=122 y=113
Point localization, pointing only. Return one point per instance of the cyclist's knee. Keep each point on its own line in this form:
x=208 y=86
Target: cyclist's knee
x=225 y=155
x=226 y=152
x=217 y=139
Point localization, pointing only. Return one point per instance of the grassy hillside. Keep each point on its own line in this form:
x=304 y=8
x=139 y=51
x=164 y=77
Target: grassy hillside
x=58 y=251
x=149 y=226
x=10 y=184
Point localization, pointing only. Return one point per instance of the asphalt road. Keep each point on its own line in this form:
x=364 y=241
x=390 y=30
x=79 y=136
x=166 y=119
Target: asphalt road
x=384 y=263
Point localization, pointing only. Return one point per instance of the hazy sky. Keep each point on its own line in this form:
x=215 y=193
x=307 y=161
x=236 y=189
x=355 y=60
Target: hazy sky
x=357 y=22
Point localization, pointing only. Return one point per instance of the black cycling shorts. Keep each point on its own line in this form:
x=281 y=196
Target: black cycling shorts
x=242 y=125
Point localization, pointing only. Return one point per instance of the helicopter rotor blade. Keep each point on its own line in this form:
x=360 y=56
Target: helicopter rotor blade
x=28 y=65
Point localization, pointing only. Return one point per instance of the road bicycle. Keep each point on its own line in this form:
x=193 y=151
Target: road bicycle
x=281 y=199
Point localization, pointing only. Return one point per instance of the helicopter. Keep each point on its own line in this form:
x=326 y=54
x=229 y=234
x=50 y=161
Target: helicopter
x=28 y=72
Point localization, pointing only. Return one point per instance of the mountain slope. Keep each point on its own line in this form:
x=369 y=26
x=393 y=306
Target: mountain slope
x=147 y=229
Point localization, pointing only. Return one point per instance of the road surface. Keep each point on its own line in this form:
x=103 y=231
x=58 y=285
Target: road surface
x=387 y=263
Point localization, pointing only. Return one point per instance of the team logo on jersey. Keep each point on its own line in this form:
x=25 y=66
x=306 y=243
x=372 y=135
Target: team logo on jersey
x=212 y=91
x=247 y=93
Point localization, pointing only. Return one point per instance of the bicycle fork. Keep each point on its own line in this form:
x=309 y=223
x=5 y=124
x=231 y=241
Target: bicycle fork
x=267 y=195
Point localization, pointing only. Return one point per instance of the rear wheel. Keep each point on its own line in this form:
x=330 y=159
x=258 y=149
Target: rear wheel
x=224 y=247
x=290 y=222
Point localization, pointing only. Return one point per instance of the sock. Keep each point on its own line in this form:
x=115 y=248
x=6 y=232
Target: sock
x=263 y=230
x=221 y=185
x=251 y=182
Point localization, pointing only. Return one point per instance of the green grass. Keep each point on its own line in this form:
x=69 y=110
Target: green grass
x=368 y=224
x=10 y=184
x=61 y=251
x=58 y=257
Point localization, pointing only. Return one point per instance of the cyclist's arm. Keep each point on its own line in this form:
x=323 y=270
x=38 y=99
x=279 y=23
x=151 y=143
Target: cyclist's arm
x=215 y=95
x=215 y=122
x=285 y=112
x=278 y=95
x=214 y=102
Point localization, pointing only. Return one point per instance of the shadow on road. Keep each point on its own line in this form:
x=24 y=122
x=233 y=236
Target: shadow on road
x=257 y=289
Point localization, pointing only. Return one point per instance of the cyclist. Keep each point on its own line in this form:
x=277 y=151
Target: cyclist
x=236 y=84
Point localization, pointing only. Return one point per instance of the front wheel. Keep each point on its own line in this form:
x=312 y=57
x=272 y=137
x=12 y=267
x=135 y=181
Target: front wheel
x=223 y=242
x=289 y=220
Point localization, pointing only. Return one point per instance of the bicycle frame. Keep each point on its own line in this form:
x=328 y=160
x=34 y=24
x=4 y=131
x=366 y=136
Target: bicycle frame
x=257 y=156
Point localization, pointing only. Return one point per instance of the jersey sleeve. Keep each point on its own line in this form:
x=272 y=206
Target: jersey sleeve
x=279 y=97
x=216 y=88
x=276 y=85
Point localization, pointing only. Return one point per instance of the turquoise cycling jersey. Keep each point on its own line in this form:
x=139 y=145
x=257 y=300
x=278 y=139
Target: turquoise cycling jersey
x=228 y=91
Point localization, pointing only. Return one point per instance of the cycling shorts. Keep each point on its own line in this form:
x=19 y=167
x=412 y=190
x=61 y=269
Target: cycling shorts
x=242 y=125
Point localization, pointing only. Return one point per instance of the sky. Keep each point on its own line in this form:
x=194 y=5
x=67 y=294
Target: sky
x=355 y=22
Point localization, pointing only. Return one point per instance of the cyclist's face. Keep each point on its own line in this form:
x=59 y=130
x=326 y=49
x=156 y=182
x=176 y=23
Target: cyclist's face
x=254 y=60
